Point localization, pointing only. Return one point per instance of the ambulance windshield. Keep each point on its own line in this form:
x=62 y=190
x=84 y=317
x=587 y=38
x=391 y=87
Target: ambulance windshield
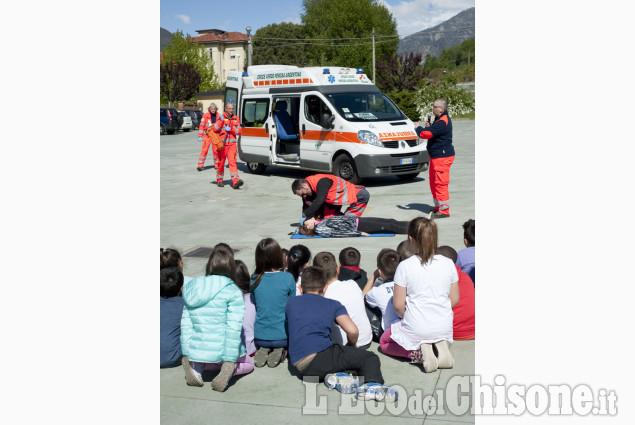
x=365 y=107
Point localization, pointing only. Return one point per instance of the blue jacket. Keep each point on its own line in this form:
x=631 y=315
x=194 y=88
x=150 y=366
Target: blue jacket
x=212 y=320
x=439 y=136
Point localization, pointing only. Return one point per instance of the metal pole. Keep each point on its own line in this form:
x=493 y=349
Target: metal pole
x=373 y=55
x=249 y=51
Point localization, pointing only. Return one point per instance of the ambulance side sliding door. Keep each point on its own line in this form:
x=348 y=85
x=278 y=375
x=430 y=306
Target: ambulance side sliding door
x=256 y=142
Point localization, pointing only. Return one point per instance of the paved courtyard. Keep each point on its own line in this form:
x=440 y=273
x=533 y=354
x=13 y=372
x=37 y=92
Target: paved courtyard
x=196 y=214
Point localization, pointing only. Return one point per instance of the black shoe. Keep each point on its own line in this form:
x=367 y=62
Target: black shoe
x=238 y=184
x=437 y=215
x=199 y=168
x=220 y=184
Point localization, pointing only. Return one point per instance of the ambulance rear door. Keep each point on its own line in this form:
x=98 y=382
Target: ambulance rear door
x=233 y=89
x=316 y=141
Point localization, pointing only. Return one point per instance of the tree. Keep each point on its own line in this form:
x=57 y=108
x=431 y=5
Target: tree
x=396 y=73
x=178 y=81
x=453 y=57
x=182 y=50
x=275 y=44
x=345 y=29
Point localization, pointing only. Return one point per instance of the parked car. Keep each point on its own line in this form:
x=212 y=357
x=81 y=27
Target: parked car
x=187 y=121
x=169 y=121
x=195 y=119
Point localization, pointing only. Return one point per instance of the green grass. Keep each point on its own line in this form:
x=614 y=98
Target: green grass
x=471 y=115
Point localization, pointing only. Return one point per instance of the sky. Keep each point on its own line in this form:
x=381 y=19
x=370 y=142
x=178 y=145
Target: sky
x=200 y=14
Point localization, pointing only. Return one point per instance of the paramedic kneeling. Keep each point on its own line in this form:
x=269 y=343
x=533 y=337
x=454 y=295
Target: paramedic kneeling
x=329 y=193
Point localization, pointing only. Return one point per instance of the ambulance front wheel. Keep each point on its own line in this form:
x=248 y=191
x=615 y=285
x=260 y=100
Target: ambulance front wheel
x=256 y=167
x=344 y=167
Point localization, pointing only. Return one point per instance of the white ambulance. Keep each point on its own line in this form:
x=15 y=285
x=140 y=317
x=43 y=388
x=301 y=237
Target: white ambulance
x=329 y=120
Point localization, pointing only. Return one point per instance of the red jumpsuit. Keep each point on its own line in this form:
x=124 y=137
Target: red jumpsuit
x=207 y=122
x=230 y=150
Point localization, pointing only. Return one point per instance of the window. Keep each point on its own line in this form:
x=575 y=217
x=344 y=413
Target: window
x=358 y=107
x=231 y=95
x=314 y=107
x=255 y=112
x=232 y=53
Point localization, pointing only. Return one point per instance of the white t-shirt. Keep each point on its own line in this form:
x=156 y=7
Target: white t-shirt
x=297 y=285
x=428 y=316
x=348 y=293
x=381 y=297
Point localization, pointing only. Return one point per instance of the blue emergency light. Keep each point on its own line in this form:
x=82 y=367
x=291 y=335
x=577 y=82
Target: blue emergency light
x=245 y=73
x=360 y=70
x=326 y=71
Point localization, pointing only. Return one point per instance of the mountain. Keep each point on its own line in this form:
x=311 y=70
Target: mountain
x=433 y=40
x=166 y=37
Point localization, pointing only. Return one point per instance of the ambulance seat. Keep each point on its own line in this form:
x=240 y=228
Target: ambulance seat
x=284 y=124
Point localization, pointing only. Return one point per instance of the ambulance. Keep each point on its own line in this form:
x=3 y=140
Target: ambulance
x=323 y=119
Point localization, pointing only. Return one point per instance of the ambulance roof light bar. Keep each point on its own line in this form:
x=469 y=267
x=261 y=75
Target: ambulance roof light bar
x=326 y=71
x=360 y=70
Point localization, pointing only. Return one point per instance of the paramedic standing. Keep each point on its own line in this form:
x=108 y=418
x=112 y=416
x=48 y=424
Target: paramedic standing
x=439 y=136
x=228 y=128
x=330 y=193
x=209 y=118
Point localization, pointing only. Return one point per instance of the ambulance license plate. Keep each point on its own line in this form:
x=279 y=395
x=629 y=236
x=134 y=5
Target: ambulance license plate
x=403 y=161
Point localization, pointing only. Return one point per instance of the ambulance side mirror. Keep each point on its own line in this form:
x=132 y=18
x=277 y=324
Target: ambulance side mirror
x=327 y=121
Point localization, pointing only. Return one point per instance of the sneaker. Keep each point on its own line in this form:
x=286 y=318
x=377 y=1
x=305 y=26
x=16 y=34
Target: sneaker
x=373 y=391
x=192 y=377
x=437 y=215
x=446 y=361
x=342 y=382
x=238 y=184
x=430 y=362
x=260 y=358
x=199 y=168
x=222 y=379
x=276 y=357
x=219 y=184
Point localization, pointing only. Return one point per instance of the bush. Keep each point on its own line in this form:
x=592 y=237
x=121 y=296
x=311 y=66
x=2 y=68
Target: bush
x=459 y=101
x=406 y=101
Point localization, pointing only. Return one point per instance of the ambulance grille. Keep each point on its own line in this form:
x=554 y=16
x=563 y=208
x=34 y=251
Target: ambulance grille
x=394 y=144
x=401 y=168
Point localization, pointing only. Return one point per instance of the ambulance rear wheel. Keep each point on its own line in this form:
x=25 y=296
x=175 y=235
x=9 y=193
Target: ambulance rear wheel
x=256 y=167
x=344 y=167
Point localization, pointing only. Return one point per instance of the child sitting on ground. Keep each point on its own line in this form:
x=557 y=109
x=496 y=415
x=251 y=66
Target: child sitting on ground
x=171 y=258
x=380 y=297
x=348 y=293
x=271 y=287
x=171 y=310
x=298 y=258
x=426 y=288
x=212 y=322
x=311 y=351
x=350 y=260
x=406 y=250
x=466 y=257
x=463 y=322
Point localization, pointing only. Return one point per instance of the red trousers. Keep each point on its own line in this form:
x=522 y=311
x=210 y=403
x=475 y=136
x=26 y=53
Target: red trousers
x=204 y=149
x=229 y=153
x=439 y=181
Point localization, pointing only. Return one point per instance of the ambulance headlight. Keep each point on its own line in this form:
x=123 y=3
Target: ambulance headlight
x=369 y=137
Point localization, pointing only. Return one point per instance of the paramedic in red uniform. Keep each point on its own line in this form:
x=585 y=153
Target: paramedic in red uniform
x=209 y=118
x=441 y=152
x=228 y=128
x=330 y=193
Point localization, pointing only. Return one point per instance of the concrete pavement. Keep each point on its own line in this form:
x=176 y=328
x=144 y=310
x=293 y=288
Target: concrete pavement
x=195 y=215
